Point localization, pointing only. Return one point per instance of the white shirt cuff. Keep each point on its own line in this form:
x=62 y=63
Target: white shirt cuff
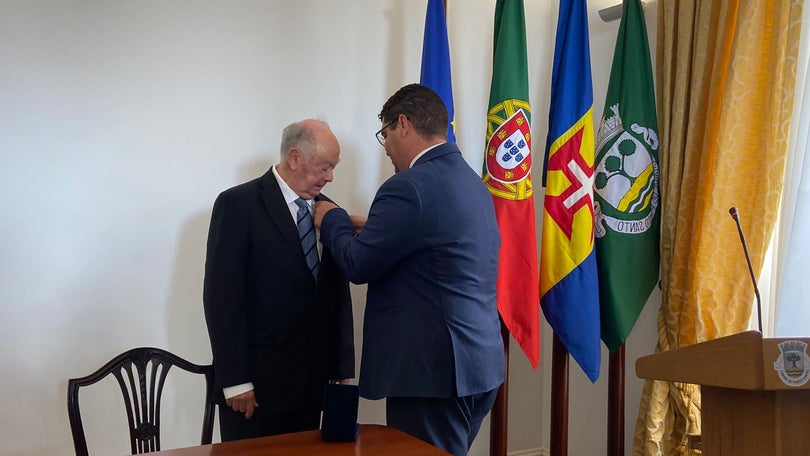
x=236 y=390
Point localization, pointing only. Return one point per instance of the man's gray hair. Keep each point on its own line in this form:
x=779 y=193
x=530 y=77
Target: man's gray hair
x=295 y=134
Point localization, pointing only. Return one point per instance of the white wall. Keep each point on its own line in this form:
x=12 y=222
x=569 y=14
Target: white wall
x=121 y=121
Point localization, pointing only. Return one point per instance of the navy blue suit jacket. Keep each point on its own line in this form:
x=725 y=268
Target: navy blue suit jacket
x=429 y=253
x=268 y=321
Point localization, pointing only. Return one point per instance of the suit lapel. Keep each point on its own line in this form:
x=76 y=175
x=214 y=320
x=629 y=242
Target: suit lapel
x=277 y=209
x=279 y=213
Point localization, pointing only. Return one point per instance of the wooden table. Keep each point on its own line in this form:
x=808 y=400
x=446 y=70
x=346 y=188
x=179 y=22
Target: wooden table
x=374 y=440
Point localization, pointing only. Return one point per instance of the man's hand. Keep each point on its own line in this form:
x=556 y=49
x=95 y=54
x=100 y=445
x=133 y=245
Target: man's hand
x=243 y=403
x=320 y=209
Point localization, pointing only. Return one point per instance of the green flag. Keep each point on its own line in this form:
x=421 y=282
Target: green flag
x=626 y=193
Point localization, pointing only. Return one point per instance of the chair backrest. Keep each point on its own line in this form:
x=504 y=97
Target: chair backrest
x=141 y=373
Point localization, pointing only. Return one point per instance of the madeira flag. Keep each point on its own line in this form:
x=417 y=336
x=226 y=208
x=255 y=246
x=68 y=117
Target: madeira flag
x=568 y=283
x=508 y=176
x=436 y=60
x=626 y=185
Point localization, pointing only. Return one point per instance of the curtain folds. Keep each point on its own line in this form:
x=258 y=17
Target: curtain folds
x=725 y=75
x=791 y=314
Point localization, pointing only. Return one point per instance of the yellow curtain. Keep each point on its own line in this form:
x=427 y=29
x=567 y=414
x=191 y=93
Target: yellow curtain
x=725 y=74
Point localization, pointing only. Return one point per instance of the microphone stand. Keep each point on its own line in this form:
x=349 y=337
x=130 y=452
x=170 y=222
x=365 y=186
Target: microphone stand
x=735 y=216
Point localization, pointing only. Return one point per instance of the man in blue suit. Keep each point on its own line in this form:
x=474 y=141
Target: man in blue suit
x=429 y=252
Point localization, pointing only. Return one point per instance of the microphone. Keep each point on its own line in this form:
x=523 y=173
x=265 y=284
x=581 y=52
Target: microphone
x=736 y=217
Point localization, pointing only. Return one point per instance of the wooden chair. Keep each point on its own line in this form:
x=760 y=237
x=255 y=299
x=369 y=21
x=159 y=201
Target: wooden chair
x=141 y=373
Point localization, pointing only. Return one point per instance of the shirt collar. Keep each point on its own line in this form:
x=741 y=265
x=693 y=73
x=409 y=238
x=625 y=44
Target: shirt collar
x=419 y=155
x=289 y=195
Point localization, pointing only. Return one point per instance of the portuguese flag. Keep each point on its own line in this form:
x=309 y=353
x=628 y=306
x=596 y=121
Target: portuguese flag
x=508 y=176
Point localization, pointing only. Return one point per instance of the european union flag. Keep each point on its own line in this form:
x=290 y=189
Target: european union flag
x=436 y=60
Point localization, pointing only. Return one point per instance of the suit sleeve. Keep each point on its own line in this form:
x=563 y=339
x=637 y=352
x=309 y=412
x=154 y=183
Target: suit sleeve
x=224 y=296
x=392 y=232
x=344 y=323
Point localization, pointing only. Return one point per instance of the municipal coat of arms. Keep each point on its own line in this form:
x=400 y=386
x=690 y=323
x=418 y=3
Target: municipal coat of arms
x=793 y=364
x=626 y=181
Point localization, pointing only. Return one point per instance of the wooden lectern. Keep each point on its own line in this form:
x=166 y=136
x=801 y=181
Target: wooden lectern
x=755 y=393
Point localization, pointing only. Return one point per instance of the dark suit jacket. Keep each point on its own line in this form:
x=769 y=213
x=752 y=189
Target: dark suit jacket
x=429 y=253
x=268 y=321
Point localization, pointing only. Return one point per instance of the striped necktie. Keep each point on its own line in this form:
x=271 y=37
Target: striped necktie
x=306 y=233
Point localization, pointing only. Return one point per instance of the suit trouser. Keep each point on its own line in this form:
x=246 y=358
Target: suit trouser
x=448 y=423
x=234 y=426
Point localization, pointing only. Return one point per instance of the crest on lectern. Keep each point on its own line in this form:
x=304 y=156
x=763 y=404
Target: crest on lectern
x=793 y=364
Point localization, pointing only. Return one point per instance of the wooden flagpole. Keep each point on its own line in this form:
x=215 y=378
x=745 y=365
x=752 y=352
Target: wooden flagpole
x=616 y=403
x=559 y=398
x=498 y=416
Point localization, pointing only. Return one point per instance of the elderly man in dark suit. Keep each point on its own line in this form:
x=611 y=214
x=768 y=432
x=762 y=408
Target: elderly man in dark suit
x=279 y=314
x=429 y=252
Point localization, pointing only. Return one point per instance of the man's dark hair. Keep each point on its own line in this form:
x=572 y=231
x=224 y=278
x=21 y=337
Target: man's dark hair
x=422 y=106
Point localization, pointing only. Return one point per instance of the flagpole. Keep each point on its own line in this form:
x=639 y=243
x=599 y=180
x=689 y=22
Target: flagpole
x=498 y=416
x=509 y=118
x=616 y=403
x=627 y=263
x=559 y=398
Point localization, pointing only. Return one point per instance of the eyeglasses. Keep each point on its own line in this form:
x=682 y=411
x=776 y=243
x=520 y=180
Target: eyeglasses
x=380 y=135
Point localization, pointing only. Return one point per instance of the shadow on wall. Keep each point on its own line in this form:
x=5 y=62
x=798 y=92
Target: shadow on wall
x=253 y=169
x=351 y=189
x=186 y=334
x=186 y=331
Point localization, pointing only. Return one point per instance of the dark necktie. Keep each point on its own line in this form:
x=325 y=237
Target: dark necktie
x=306 y=233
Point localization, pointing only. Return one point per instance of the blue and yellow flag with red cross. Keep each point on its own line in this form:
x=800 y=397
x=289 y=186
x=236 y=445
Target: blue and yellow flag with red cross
x=569 y=287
